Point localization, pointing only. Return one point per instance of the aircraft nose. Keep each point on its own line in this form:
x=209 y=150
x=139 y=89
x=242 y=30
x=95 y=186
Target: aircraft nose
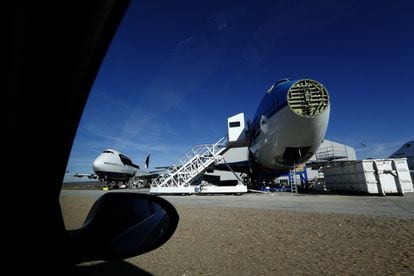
x=97 y=164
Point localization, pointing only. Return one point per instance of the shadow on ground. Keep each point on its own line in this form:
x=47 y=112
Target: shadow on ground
x=109 y=268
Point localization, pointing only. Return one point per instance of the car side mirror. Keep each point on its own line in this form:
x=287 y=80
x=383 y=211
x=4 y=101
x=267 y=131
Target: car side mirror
x=122 y=225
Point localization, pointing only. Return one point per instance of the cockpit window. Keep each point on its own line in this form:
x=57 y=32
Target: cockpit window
x=406 y=146
x=108 y=151
x=126 y=161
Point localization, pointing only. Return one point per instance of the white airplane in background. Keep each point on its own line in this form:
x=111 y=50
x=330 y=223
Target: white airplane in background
x=407 y=151
x=112 y=166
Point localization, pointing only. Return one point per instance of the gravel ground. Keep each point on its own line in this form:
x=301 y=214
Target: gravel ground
x=238 y=241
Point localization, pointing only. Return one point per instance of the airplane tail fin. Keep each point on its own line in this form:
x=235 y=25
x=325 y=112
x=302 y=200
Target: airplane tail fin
x=147 y=161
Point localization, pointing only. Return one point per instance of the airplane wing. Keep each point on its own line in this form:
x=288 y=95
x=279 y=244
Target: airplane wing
x=162 y=168
x=88 y=175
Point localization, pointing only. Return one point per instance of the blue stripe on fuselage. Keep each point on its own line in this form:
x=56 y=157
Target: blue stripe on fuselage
x=268 y=114
x=272 y=103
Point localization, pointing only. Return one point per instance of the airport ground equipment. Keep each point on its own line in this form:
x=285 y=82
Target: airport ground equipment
x=292 y=180
x=185 y=170
x=372 y=176
x=185 y=176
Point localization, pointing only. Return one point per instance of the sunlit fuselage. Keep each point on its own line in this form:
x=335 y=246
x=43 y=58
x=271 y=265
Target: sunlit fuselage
x=290 y=124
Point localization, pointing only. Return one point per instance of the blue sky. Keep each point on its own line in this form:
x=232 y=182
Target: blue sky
x=177 y=69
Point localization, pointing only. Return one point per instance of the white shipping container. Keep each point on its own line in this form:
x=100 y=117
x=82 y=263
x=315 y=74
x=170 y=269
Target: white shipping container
x=373 y=176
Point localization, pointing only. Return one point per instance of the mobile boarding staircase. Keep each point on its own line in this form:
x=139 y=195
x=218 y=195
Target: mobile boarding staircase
x=185 y=171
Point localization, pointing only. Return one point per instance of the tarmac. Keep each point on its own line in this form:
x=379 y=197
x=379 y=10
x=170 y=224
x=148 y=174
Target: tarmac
x=390 y=205
x=269 y=234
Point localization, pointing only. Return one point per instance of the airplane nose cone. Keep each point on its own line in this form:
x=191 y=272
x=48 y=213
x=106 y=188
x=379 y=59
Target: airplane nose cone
x=97 y=164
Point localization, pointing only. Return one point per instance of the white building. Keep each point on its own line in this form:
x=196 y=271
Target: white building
x=330 y=150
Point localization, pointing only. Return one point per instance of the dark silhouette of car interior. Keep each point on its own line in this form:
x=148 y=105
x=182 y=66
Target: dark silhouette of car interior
x=55 y=51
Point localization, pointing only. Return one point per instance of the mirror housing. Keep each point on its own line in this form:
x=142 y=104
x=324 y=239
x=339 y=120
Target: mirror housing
x=122 y=225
